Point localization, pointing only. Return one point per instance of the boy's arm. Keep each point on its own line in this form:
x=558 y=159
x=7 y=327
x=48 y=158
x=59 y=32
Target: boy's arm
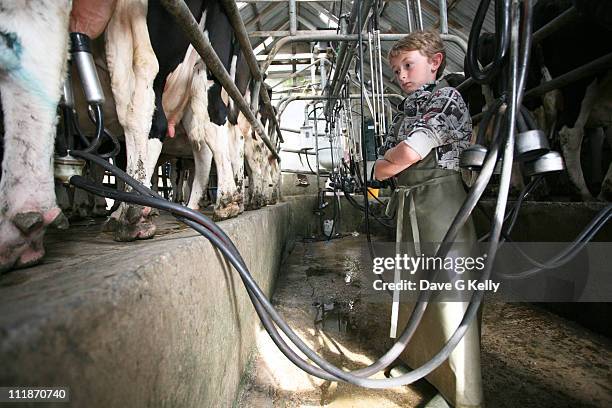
x=395 y=161
x=435 y=128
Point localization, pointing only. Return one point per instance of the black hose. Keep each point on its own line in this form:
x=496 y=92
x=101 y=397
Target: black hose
x=93 y=116
x=471 y=312
x=220 y=241
x=93 y=146
x=566 y=254
x=502 y=29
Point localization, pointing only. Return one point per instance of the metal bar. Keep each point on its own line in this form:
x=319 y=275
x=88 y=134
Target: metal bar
x=419 y=14
x=409 y=16
x=290 y=130
x=316 y=136
x=282 y=104
x=343 y=66
x=553 y=25
x=235 y=18
x=292 y=17
x=297 y=73
x=341 y=56
x=443 y=17
x=345 y=37
x=561 y=81
x=322 y=173
x=298 y=151
x=179 y=10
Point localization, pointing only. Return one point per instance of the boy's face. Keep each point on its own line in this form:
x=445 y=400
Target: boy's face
x=412 y=69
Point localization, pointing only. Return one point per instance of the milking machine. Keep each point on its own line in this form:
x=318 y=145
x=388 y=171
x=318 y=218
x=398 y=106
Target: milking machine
x=66 y=165
x=504 y=116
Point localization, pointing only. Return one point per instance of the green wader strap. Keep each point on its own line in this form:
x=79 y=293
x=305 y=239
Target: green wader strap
x=398 y=202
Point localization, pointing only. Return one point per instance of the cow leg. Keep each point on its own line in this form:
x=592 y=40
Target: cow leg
x=606 y=185
x=32 y=68
x=254 y=161
x=189 y=177
x=228 y=199
x=217 y=139
x=195 y=124
x=133 y=67
x=197 y=194
x=571 y=141
x=237 y=161
x=275 y=177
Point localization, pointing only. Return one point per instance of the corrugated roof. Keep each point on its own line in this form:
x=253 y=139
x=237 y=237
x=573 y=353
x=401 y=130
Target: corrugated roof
x=270 y=16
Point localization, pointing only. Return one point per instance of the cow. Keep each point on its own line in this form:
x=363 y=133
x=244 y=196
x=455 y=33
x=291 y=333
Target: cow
x=33 y=61
x=210 y=119
x=584 y=104
x=32 y=70
x=174 y=88
x=565 y=113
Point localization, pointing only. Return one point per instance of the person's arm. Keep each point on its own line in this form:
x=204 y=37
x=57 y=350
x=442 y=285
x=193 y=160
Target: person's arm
x=395 y=161
x=432 y=130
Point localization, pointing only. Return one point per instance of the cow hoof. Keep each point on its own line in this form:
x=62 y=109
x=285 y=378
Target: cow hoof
x=134 y=222
x=132 y=232
x=130 y=223
x=21 y=238
x=229 y=211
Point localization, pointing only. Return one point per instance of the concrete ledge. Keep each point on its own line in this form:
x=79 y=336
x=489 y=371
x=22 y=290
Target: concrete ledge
x=146 y=324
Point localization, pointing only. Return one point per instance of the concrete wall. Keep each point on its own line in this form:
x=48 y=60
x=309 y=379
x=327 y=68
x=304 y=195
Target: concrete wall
x=159 y=323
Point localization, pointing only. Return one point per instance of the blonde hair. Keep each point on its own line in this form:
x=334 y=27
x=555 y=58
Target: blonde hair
x=427 y=42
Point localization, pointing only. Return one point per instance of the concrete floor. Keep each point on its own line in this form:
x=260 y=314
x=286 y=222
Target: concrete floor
x=530 y=357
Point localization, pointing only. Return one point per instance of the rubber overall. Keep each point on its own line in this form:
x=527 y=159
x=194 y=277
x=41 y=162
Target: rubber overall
x=425 y=203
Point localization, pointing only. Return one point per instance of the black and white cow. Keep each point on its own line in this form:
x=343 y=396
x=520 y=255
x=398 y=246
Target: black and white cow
x=565 y=113
x=32 y=69
x=584 y=104
x=33 y=60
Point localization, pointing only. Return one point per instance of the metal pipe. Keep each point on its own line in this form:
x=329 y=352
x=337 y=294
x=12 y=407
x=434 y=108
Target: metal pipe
x=290 y=130
x=409 y=16
x=443 y=17
x=298 y=151
x=179 y=10
x=282 y=105
x=381 y=85
x=374 y=104
x=298 y=72
x=292 y=17
x=316 y=137
x=322 y=173
x=233 y=14
x=419 y=14
x=345 y=37
x=561 y=81
x=341 y=56
x=553 y=25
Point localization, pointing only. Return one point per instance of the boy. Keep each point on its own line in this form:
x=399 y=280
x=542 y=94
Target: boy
x=423 y=149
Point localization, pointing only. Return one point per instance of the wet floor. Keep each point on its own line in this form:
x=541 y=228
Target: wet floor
x=530 y=357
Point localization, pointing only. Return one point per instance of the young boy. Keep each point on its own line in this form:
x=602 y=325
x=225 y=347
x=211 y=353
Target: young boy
x=433 y=117
x=423 y=149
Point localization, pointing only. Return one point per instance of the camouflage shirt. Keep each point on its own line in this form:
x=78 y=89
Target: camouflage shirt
x=433 y=119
